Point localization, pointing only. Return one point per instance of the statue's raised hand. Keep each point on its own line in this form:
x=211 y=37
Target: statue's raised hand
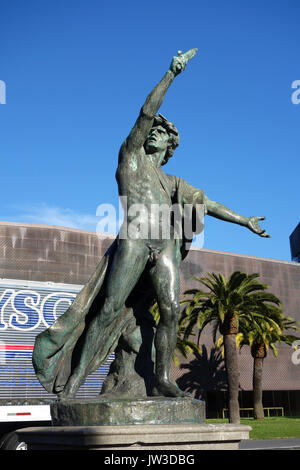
x=253 y=225
x=179 y=62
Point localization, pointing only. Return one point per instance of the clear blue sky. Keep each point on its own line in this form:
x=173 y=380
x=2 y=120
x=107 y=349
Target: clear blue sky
x=78 y=71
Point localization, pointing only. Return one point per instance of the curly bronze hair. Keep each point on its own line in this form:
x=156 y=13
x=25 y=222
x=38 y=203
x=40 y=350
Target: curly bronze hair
x=160 y=120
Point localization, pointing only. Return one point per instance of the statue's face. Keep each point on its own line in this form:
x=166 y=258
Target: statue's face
x=157 y=140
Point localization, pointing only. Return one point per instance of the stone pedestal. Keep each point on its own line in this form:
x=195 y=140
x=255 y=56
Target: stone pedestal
x=136 y=437
x=148 y=424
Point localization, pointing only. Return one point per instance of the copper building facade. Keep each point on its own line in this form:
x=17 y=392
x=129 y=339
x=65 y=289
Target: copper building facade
x=50 y=254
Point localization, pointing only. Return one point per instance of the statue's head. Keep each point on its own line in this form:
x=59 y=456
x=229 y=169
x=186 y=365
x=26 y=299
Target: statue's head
x=169 y=141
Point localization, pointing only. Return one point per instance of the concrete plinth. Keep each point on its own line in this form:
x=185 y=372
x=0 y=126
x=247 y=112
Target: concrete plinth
x=136 y=437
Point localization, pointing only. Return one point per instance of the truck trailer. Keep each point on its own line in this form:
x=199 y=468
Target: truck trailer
x=26 y=309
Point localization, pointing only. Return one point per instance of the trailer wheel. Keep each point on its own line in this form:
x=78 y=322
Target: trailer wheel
x=11 y=442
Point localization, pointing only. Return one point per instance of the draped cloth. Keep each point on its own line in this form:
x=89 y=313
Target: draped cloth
x=57 y=349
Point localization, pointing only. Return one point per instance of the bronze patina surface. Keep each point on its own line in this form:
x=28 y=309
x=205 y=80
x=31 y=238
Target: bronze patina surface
x=111 y=313
x=126 y=411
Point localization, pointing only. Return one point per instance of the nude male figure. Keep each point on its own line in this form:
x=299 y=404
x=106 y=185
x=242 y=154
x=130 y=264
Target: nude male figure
x=140 y=178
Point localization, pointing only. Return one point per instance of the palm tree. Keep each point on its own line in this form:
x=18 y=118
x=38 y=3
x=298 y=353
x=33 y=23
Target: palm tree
x=226 y=304
x=265 y=329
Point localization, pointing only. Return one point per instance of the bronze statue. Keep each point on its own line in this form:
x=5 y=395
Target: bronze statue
x=136 y=270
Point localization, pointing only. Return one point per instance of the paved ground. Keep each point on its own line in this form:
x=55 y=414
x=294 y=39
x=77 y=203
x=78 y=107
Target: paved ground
x=270 y=444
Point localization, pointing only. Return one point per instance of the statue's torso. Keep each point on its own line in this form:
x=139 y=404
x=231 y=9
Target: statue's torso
x=148 y=195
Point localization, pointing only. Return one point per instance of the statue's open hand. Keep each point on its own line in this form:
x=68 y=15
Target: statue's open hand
x=253 y=225
x=179 y=62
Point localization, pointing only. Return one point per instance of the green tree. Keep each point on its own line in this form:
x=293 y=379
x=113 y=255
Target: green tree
x=262 y=332
x=226 y=304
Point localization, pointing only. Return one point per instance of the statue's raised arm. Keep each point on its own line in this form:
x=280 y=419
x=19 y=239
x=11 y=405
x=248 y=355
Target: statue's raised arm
x=144 y=122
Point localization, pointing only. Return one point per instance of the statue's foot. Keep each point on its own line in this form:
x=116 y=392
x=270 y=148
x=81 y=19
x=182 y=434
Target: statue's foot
x=168 y=389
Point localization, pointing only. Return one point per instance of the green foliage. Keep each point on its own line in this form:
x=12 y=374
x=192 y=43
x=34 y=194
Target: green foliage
x=240 y=298
x=257 y=313
x=267 y=329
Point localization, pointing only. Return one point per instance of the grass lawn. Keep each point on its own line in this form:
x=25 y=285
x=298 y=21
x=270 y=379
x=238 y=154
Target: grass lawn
x=269 y=428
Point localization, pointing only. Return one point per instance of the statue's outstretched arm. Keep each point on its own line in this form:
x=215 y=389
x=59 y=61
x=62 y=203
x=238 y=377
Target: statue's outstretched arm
x=144 y=122
x=215 y=209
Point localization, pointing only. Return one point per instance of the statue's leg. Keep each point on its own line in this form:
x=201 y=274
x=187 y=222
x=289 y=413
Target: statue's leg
x=166 y=280
x=128 y=264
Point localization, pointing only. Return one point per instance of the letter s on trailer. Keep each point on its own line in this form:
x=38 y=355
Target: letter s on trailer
x=26 y=309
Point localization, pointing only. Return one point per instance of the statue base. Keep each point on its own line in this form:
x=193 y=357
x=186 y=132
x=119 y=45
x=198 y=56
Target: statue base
x=132 y=424
x=126 y=411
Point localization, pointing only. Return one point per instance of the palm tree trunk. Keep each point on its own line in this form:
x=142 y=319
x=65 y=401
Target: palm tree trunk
x=231 y=362
x=258 y=352
x=257 y=388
